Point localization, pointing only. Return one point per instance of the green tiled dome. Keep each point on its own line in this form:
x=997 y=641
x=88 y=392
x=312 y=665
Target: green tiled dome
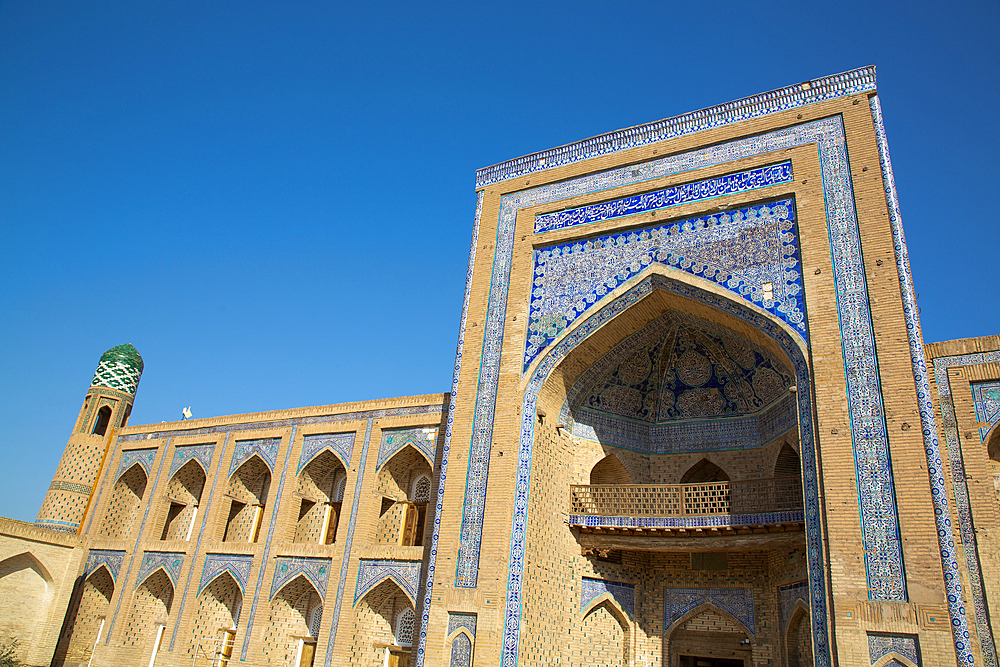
x=120 y=368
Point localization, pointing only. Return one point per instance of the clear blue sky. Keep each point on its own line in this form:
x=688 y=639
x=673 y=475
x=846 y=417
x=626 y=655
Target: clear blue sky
x=273 y=201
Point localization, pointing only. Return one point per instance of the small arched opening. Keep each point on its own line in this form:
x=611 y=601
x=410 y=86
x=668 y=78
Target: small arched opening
x=148 y=615
x=247 y=494
x=183 y=497
x=216 y=619
x=293 y=624
x=405 y=485
x=123 y=506
x=610 y=470
x=386 y=626
x=102 y=421
x=704 y=471
x=707 y=635
x=603 y=637
x=321 y=494
x=798 y=638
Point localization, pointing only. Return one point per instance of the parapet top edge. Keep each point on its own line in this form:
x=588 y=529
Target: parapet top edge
x=761 y=104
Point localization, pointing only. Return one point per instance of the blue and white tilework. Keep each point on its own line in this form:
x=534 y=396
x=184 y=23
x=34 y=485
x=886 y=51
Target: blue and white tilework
x=461 y=651
x=736 y=601
x=458 y=620
x=393 y=440
x=341 y=444
x=143 y=457
x=880 y=645
x=928 y=422
x=790 y=97
x=623 y=594
x=553 y=357
x=117 y=374
x=110 y=559
x=266 y=448
x=711 y=188
x=346 y=561
x=200 y=453
x=986 y=399
x=790 y=595
x=316 y=570
x=258 y=448
x=716 y=520
x=752 y=252
x=154 y=560
x=238 y=565
x=371 y=572
x=446 y=447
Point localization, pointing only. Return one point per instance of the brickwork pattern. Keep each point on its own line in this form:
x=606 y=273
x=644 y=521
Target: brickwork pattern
x=219 y=606
x=150 y=606
x=248 y=485
x=600 y=640
x=185 y=489
x=123 y=506
x=84 y=617
x=375 y=623
x=288 y=617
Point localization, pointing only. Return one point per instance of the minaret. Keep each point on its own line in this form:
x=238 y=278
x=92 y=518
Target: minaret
x=105 y=409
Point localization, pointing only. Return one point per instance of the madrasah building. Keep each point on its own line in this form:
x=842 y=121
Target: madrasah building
x=693 y=423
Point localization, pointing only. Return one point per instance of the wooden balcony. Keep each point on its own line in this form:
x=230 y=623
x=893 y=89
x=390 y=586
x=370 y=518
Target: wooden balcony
x=764 y=510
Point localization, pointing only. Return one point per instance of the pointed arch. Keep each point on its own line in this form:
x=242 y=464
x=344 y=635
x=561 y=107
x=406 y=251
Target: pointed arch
x=594 y=624
x=681 y=620
x=610 y=470
x=25 y=559
x=319 y=511
x=401 y=518
x=798 y=648
x=219 y=606
x=290 y=612
x=787 y=463
x=123 y=505
x=183 y=497
x=704 y=471
x=614 y=607
x=387 y=577
x=460 y=647
x=84 y=621
x=151 y=606
x=248 y=488
x=893 y=659
x=377 y=613
x=102 y=566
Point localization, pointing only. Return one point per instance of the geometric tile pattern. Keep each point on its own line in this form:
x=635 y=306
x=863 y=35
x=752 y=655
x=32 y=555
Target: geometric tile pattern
x=986 y=398
x=200 y=453
x=755 y=106
x=789 y=596
x=238 y=565
x=711 y=188
x=461 y=652
x=462 y=620
x=736 y=601
x=880 y=645
x=624 y=594
x=340 y=444
x=144 y=457
x=446 y=446
x=719 y=520
x=371 y=572
x=152 y=560
x=563 y=347
x=316 y=570
x=751 y=252
x=423 y=439
x=266 y=448
x=120 y=368
x=928 y=422
x=110 y=559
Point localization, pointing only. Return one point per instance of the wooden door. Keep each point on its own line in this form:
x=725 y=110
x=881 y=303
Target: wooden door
x=308 y=654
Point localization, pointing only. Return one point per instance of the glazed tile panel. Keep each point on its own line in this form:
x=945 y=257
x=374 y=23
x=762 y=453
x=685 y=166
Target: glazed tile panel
x=110 y=559
x=154 y=560
x=200 y=453
x=986 y=399
x=372 y=572
x=743 y=181
x=237 y=565
x=623 y=594
x=880 y=645
x=340 y=444
x=736 y=601
x=790 y=595
x=316 y=570
x=751 y=251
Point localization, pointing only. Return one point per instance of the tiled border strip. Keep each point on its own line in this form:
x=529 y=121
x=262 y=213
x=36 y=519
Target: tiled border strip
x=345 y=564
x=810 y=480
x=270 y=534
x=790 y=97
x=939 y=495
x=201 y=536
x=443 y=474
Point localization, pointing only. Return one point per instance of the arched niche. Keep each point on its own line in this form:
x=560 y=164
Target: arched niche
x=150 y=609
x=798 y=638
x=377 y=621
x=610 y=470
x=85 y=618
x=707 y=632
x=247 y=495
x=26 y=592
x=404 y=482
x=123 y=506
x=604 y=634
x=217 y=616
x=993 y=452
x=292 y=616
x=702 y=472
x=320 y=493
x=183 y=499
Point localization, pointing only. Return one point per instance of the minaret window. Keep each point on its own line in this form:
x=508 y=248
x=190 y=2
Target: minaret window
x=103 y=418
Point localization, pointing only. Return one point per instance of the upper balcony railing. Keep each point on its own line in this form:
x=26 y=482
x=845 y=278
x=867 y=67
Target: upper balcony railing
x=749 y=496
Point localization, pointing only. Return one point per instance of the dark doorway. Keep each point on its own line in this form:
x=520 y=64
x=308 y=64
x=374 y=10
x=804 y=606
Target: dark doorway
x=695 y=661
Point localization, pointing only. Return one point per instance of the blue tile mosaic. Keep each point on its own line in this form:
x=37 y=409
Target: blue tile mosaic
x=790 y=97
x=458 y=620
x=711 y=188
x=767 y=326
x=986 y=399
x=928 y=422
x=201 y=536
x=265 y=448
x=346 y=562
x=424 y=440
x=238 y=565
x=461 y=651
x=371 y=572
x=144 y=457
x=623 y=594
x=736 y=601
x=316 y=570
x=751 y=251
x=341 y=444
x=881 y=645
x=200 y=453
x=446 y=448
x=686 y=521
x=109 y=559
x=790 y=595
x=170 y=563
